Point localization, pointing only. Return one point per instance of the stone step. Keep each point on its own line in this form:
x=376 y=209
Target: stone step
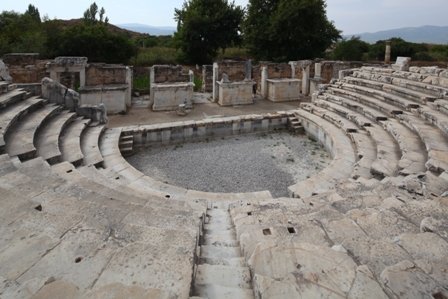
x=220 y=220
x=227 y=276
x=435 y=117
x=127 y=151
x=47 y=140
x=90 y=145
x=4 y=87
x=126 y=143
x=126 y=138
x=351 y=115
x=12 y=97
x=12 y=113
x=220 y=252
x=21 y=140
x=366 y=150
x=233 y=262
x=345 y=124
x=217 y=291
x=442 y=105
x=407 y=93
x=366 y=100
x=341 y=168
x=387 y=151
x=435 y=141
x=397 y=78
x=220 y=241
x=222 y=235
x=384 y=96
x=367 y=111
x=217 y=227
x=71 y=141
x=413 y=153
x=215 y=211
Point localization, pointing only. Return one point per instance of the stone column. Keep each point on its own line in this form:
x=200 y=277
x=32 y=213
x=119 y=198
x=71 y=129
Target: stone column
x=215 y=80
x=264 y=82
x=191 y=75
x=306 y=80
x=82 y=78
x=152 y=76
x=317 y=70
x=129 y=75
x=293 y=69
x=54 y=75
x=248 y=70
x=388 y=53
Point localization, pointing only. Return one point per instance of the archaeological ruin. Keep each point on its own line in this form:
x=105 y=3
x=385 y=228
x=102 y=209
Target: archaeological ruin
x=302 y=179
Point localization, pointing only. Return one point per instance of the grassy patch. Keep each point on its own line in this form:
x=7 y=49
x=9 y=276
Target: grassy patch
x=197 y=84
x=141 y=82
x=234 y=53
x=155 y=55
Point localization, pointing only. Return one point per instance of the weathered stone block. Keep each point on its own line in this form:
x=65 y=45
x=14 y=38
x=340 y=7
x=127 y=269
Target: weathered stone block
x=283 y=90
x=235 y=93
x=112 y=96
x=168 y=97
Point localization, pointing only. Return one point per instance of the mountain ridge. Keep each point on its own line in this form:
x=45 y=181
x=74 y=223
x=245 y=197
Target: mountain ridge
x=148 y=29
x=422 y=34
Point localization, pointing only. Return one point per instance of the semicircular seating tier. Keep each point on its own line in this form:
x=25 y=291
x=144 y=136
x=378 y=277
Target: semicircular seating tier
x=78 y=221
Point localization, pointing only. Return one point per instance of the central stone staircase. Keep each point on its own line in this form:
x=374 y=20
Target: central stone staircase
x=222 y=271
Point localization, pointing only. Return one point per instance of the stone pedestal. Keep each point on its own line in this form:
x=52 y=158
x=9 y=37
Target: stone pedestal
x=168 y=97
x=235 y=93
x=306 y=80
x=283 y=90
x=264 y=82
x=112 y=96
x=314 y=85
x=388 y=53
x=402 y=64
x=215 y=82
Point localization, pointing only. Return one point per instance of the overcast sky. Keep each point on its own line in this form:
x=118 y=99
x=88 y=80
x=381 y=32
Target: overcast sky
x=350 y=16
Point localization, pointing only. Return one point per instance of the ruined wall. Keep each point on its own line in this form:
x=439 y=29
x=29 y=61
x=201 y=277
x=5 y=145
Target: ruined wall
x=105 y=74
x=207 y=78
x=26 y=67
x=169 y=74
x=236 y=70
x=330 y=69
x=275 y=71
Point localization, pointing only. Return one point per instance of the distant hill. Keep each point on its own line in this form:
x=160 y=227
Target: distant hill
x=113 y=28
x=152 y=30
x=424 y=34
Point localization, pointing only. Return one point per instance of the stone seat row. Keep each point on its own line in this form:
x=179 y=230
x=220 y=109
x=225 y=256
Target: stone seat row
x=414 y=119
x=379 y=240
x=53 y=220
x=68 y=231
x=401 y=81
x=432 y=76
x=431 y=106
x=412 y=156
x=376 y=151
x=340 y=148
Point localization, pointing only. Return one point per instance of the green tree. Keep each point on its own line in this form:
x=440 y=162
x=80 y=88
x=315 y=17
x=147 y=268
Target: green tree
x=206 y=26
x=399 y=47
x=33 y=12
x=352 y=49
x=96 y=42
x=21 y=33
x=90 y=13
x=92 y=38
x=282 y=30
